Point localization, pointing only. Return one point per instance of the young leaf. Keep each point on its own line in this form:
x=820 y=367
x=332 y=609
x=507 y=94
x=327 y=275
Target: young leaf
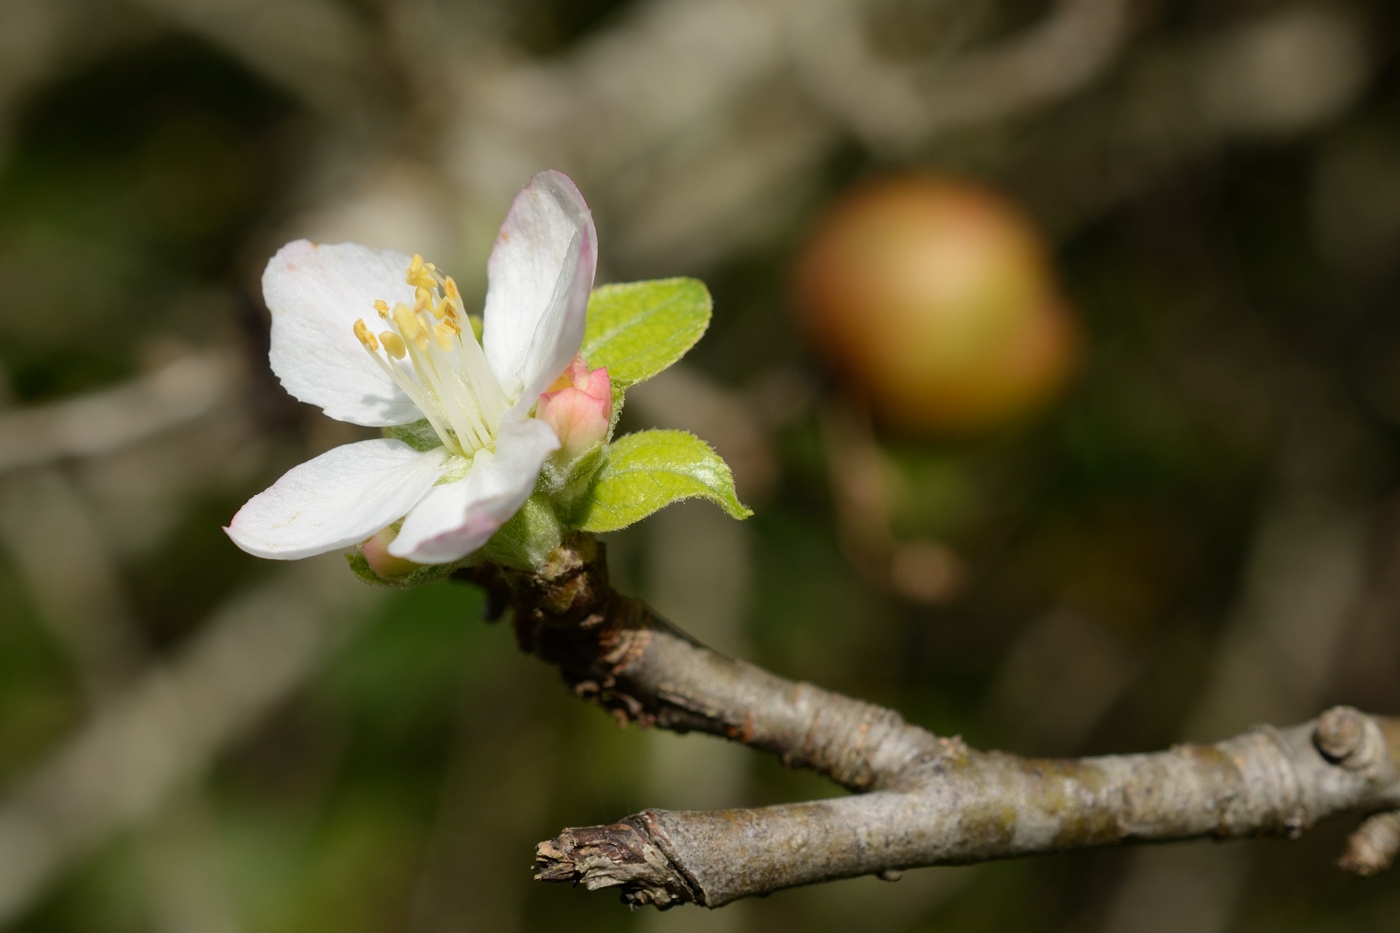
x=637 y=329
x=649 y=470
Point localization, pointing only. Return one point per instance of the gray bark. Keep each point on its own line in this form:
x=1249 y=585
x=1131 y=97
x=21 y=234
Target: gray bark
x=920 y=799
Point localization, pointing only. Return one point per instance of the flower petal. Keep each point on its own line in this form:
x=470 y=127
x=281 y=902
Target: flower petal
x=455 y=519
x=541 y=272
x=338 y=499
x=316 y=292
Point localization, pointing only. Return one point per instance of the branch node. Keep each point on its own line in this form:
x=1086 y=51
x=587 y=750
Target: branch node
x=621 y=855
x=1341 y=735
x=1373 y=847
x=929 y=800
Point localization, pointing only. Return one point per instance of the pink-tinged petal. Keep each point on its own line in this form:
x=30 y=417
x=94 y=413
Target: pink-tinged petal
x=579 y=408
x=338 y=499
x=316 y=292
x=455 y=519
x=540 y=274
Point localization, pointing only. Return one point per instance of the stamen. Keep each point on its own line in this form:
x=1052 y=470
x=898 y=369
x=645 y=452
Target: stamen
x=409 y=326
x=438 y=372
x=444 y=333
x=430 y=400
x=422 y=300
x=415 y=393
x=449 y=288
x=365 y=337
x=485 y=388
x=420 y=273
x=446 y=374
x=393 y=345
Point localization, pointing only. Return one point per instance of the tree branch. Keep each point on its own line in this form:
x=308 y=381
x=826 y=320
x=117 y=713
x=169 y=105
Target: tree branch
x=897 y=106
x=1373 y=847
x=101 y=422
x=162 y=733
x=923 y=799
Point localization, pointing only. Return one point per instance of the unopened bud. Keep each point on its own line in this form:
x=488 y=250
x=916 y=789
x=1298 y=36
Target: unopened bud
x=579 y=409
x=385 y=565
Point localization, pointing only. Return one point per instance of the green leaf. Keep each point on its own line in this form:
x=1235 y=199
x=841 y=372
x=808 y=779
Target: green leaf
x=637 y=329
x=649 y=470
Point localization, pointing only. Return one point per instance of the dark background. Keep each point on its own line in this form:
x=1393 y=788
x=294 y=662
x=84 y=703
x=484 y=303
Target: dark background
x=1201 y=534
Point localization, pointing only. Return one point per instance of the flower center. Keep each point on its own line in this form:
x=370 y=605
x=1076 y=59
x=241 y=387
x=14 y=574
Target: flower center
x=432 y=353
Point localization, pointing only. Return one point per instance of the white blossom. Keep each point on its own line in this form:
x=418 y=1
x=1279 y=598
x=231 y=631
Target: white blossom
x=377 y=338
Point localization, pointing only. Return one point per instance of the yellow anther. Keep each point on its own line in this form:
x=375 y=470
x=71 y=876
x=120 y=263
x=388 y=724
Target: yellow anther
x=365 y=337
x=393 y=345
x=422 y=300
x=420 y=273
x=444 y=311
x=449 y=288
x=450 y=322
x=382 y=307
x=444 y=334
x=409 y=326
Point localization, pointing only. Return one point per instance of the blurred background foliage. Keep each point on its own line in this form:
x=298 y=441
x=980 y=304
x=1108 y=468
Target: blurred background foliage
x=1193 y=531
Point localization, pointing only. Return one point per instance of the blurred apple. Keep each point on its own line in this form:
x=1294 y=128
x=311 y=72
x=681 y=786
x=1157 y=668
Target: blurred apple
x=935 y=300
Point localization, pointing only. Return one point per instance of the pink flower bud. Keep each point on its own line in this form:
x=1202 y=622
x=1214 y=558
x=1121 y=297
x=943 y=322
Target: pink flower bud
x=385 y=565
x=579 y=408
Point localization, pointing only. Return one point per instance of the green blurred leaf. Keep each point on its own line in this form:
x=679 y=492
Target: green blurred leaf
x=649 y=470
x=637 y=329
